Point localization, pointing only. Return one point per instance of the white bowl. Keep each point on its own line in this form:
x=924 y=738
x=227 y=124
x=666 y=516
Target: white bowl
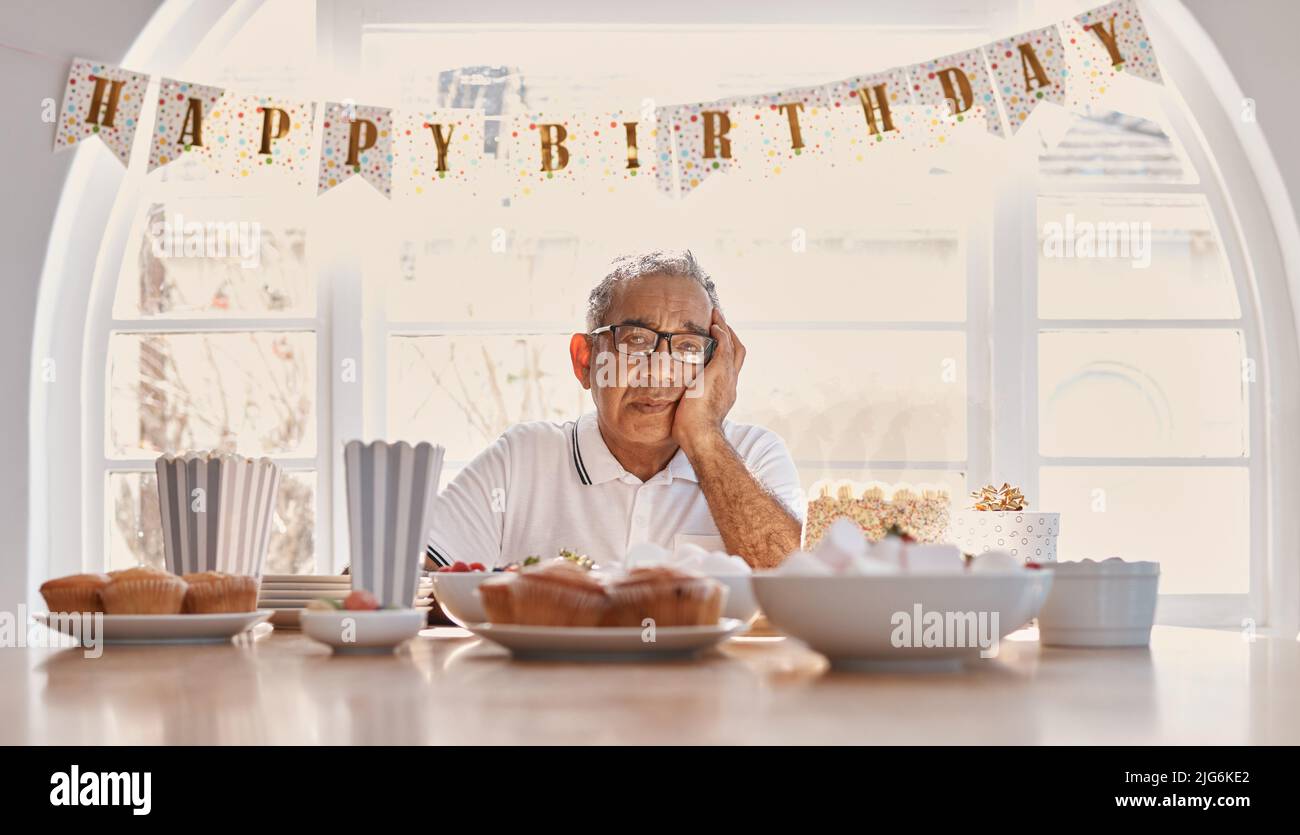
x=1100 y=604
x=876 y=620
x=741 y=603
x=457 y=593
x=381 y=630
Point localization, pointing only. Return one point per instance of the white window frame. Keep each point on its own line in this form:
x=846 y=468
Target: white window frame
x=1250 y=208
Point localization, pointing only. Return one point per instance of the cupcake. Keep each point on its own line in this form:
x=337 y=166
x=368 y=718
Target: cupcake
x=496 y=596
x=77 y=593
x=557 y=595
x=214 y=591
x=667 y=596
x=143 y=591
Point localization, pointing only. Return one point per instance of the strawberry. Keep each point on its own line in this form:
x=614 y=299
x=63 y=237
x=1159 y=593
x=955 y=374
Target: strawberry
x=477 y=566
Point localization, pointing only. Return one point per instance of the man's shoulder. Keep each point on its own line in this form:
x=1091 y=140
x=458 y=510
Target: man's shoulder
x=538 y=435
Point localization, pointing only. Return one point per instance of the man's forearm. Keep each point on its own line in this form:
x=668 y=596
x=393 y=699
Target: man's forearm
x=754 y=523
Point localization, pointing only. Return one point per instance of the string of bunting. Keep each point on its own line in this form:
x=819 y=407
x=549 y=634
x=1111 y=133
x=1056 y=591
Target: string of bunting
x=997 y=86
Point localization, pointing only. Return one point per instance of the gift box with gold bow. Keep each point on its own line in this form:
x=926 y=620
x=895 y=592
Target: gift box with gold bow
x=999 y=519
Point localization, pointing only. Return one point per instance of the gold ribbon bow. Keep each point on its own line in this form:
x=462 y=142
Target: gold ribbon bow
x=1005 y=497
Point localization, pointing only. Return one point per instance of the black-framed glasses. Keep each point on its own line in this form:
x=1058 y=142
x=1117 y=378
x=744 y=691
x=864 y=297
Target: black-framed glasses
x=638 y=341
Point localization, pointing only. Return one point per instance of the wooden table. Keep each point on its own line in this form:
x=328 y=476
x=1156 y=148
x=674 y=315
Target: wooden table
x=1191 y=686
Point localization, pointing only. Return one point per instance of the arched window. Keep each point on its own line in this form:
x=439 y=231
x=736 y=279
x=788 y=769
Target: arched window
x=923 y=332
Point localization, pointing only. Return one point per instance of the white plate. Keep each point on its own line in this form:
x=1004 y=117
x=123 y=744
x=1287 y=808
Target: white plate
x=351 y=632
x=166 y=629
x=605 y=643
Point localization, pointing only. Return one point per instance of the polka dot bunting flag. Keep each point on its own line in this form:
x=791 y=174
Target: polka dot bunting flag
x=356 y=139
x=464 y=165
x=1029 y=69
x=780 y=129
x=850 y=136
x=117 y=95
x=956 y=87
x=1119 y=37
x=680 y=147
x=187 y=122
x=239 y=147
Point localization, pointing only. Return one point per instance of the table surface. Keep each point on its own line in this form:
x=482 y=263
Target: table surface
x=1191 y=686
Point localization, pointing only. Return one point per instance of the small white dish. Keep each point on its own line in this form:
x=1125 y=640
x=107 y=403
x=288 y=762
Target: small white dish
x=602 y=643
x=457 y=593
x=305 y=579
x=304 y=594
x=1111 y=603
x=216 y=628
x=362 y=632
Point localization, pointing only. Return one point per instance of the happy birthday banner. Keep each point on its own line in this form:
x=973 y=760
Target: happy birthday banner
x=997 y=86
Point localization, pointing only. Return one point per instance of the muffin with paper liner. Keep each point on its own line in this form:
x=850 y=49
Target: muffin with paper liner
x=143 y=591
x=558 y=593
x=665 y=595
x=76 y=593
x=211 y=592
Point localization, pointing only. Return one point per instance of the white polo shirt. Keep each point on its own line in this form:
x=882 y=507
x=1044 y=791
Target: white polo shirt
x=545 y=486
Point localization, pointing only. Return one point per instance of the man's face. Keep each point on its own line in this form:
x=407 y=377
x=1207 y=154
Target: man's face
x=638 y=408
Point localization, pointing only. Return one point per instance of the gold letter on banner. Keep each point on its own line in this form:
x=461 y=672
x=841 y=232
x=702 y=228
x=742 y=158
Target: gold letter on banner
x=716 y=125
x=632 y=162
x=442 y=142
x=97 y=102
x=281 y=127
x=873 y=99
x=792 y=113
x=553 y=137
x=192 y=125
x=1029 y=63
x=1107 y=40
x=354 y=139
x=946 y=78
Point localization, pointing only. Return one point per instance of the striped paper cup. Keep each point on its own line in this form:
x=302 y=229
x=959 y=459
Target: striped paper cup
x=391 y=488
x=217 y=511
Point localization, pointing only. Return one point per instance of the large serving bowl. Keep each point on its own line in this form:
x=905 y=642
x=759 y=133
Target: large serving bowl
x=869 y=620
x=457 y=594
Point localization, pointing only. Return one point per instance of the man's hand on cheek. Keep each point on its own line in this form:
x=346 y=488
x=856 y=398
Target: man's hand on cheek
x=709 y=397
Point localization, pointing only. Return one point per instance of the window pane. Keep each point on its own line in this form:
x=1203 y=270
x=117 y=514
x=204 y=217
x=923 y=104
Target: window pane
x=462 y=279
x=905 y=275
x=464 y=391
x=1142 y=393
x=1156 y=257
x=198 y=258
x=858 y=395
x=1194 y=521
x=135 y=531
x=1115 y=146
x=248 y=392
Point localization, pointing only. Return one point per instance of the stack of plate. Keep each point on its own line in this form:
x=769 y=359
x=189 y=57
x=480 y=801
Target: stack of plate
x=288 y=594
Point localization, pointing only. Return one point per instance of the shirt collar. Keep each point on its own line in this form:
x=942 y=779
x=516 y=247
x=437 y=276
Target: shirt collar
x=595 y=464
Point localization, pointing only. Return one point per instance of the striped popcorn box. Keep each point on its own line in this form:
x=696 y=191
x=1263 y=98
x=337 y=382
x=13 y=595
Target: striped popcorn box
x=390 y=489
x=217 y=511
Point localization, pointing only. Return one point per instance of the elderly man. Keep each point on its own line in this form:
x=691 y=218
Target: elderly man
x=657 y=461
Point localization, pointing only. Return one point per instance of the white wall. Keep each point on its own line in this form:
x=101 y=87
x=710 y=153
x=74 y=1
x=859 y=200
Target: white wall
x=1257 y=39
x=34 y=179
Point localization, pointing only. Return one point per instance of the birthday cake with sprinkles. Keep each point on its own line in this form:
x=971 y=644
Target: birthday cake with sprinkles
x=918 y=512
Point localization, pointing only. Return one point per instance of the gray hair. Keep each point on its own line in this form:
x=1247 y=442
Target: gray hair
x=627 y=267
